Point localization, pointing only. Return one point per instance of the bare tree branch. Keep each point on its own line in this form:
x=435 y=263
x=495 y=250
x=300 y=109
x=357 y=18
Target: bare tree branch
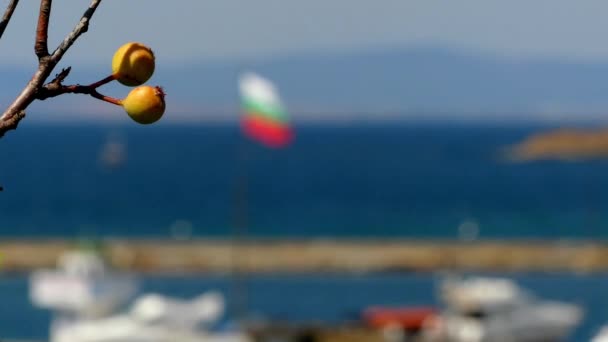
x=11 y=123
x=16 y=111
x=42 y=31
x=8 y=13
x=10 y=118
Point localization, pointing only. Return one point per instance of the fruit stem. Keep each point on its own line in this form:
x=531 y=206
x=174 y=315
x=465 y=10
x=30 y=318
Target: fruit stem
x=105 y=98
x=102 y=82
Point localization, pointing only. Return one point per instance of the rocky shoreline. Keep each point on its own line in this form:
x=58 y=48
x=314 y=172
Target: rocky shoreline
x=292 y=256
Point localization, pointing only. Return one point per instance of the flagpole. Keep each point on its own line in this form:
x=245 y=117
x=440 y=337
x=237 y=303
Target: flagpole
x=265 y=120
x=240 y=233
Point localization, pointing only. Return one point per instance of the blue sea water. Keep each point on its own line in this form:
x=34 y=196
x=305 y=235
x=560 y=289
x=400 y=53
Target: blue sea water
x=406 y=180
x=350 y=180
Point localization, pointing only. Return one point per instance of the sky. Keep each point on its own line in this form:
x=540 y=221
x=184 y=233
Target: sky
x=195 y=32
x=190 y=31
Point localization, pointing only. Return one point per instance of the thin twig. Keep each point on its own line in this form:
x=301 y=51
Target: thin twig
x=80 y=89
x=8 y=13
x=42 y=31
x=81 y=27
x=55 y=88
x=16 y=111
x=61 y=76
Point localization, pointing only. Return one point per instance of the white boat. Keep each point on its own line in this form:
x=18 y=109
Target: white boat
x=81 y=286
x=480 y=293
x=496 y=309
x=153 y=318
x=87 y=299
x=602 y=335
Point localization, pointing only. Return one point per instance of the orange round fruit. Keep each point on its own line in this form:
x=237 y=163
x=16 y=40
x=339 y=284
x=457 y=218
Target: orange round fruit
x=145 y=104
x=133 y=64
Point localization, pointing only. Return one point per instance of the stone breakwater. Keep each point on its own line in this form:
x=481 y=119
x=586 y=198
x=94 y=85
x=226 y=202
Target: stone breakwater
x=207 y=255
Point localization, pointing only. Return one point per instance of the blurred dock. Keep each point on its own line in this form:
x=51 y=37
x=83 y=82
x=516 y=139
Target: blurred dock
x=217 y=255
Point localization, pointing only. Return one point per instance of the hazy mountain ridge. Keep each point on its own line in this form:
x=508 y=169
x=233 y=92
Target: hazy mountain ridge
x=400 y=80
x=422 y=79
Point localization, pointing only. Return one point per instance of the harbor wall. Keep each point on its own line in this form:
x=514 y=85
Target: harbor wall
x=217 y=255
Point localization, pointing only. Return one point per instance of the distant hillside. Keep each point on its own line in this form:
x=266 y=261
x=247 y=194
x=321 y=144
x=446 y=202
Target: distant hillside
x=414 y=79
x=417 y=79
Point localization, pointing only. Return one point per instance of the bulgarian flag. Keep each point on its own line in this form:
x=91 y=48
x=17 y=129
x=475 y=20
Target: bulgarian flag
x=264 y=117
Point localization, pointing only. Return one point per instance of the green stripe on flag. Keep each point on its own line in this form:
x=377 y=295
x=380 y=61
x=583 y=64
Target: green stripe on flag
x=274 y=112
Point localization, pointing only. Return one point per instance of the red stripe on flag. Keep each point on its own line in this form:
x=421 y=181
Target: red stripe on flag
x=267 y=131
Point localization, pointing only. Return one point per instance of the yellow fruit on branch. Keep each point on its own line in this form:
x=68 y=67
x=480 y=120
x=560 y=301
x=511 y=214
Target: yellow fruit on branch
x=145 y=104
x=133 y=64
